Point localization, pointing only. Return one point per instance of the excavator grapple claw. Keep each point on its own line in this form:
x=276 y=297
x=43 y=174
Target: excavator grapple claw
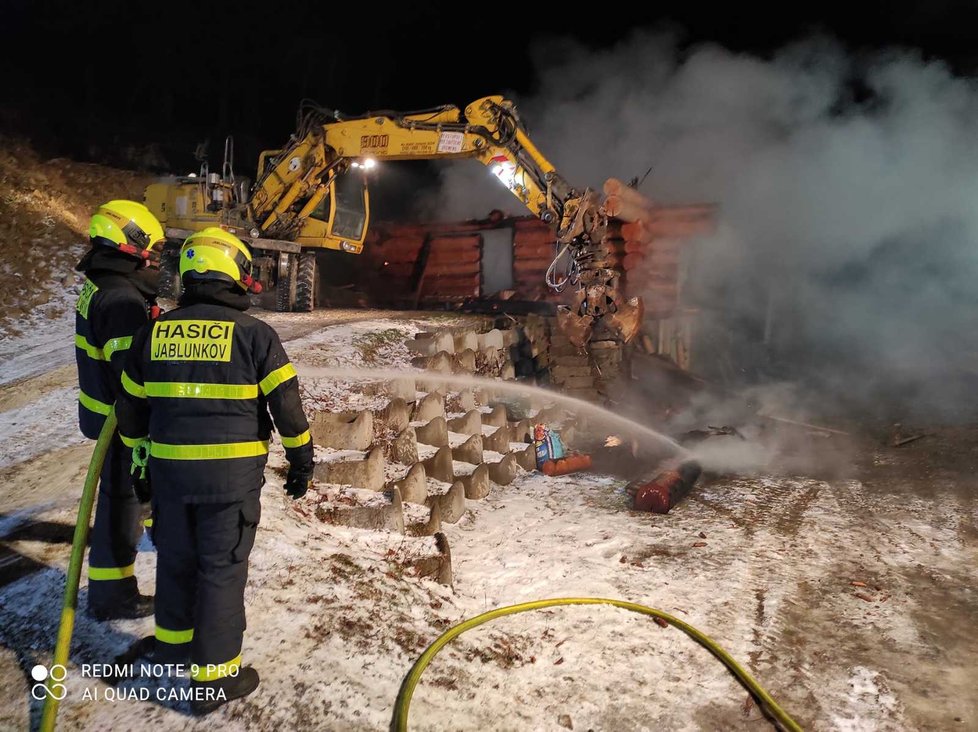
x=577 y=328
x=627 y=320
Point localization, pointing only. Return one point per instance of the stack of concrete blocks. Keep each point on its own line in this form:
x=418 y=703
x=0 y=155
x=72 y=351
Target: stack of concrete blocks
x=438 y=459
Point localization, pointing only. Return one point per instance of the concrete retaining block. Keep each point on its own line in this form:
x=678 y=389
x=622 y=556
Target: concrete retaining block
x=431 y=406
x=440 y=363
x=468 y=424
x=451 y=504
x=404 y=389
x=397 y=414
x=476 y=483
x=496 y=417
x=439 y=567
x=526 y=458
x=430 y=527
x=435 y=432
x=404 y=449
x=439 y=466
x=428 y=344
x=498 y=441
x=342 y=430
x=467 y=400
x=382 y=518
x=414 y=485
x=505 y=471
x=467 y=340
x=522 y=431
x=367 y=473
x=464 y=362
x=490 y=356
x=481 y=395
x=469 y=451
x=492 y=339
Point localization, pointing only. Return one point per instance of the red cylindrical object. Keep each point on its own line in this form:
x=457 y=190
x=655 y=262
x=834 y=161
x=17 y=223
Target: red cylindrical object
x=667 y=489
x=570 y=464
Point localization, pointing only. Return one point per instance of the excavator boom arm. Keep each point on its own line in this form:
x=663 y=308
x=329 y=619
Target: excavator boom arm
x=293 y=181
x=488 y=132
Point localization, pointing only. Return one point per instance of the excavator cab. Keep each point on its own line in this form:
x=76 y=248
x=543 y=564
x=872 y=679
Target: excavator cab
x=339 y=220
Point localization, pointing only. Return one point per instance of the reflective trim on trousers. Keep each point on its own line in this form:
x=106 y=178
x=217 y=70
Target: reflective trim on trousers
x=111 y=573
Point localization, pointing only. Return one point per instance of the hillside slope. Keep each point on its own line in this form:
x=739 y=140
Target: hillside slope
x=44 y=212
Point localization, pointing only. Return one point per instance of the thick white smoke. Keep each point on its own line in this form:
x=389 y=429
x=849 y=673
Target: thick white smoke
x=847 y=191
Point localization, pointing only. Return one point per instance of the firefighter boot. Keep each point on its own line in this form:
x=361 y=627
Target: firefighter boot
x=125 y=605
x=208 y=695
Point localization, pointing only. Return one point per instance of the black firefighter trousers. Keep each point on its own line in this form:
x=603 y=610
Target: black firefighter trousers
x=116 y=532
x=201 y=572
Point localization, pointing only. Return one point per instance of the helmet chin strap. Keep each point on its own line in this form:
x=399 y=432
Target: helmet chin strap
x=134 y=251
x=251 y=284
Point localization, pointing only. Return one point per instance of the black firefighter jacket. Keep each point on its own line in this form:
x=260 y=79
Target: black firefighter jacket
x=110 y=309
x=199 y=382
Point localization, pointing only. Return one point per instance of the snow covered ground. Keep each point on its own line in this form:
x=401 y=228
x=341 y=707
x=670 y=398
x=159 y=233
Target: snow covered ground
x=46 y=340
x=848 y=602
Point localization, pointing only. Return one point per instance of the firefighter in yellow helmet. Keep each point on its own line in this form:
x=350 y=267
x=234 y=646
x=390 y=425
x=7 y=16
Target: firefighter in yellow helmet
x=117 y=298
x=203 y=385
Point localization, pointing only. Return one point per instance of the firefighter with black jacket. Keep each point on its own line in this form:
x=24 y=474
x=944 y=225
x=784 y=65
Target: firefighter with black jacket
x=200 y=383
x=116 y=300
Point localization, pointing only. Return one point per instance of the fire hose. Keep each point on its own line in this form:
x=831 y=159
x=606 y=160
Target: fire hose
x=400 y=719
x=63 y=644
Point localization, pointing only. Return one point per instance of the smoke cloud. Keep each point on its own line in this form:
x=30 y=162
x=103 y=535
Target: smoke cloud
x=846 y=251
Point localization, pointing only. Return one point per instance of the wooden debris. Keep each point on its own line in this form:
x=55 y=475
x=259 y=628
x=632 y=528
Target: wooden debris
x=908 y=440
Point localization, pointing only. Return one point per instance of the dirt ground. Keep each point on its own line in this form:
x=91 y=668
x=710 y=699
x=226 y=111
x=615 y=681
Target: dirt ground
x=895 y=530
x=842 y=573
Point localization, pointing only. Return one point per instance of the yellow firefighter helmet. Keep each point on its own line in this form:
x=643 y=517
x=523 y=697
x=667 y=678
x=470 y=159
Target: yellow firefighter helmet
x=215 y=254
x=126 y=226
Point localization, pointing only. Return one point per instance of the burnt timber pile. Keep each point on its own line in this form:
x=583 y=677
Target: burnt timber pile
x=499 y=264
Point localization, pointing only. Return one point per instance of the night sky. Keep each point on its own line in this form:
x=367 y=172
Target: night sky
x=86 y=78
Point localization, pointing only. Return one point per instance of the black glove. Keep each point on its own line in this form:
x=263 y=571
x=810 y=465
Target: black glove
x=139 y=472
x=298 y=480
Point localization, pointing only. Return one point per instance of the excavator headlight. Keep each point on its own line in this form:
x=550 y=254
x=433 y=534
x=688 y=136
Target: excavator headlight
x=506 y=172
x=348 y=247
x=367 y=164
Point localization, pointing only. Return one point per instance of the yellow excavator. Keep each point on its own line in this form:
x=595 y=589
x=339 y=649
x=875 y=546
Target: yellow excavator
x=312 y=195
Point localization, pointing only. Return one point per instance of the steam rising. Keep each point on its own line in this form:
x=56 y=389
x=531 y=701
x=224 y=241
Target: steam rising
x=846 y=254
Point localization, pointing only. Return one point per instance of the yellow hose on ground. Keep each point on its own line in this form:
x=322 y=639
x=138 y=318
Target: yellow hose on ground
x=400 y=718
x=63 y=645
